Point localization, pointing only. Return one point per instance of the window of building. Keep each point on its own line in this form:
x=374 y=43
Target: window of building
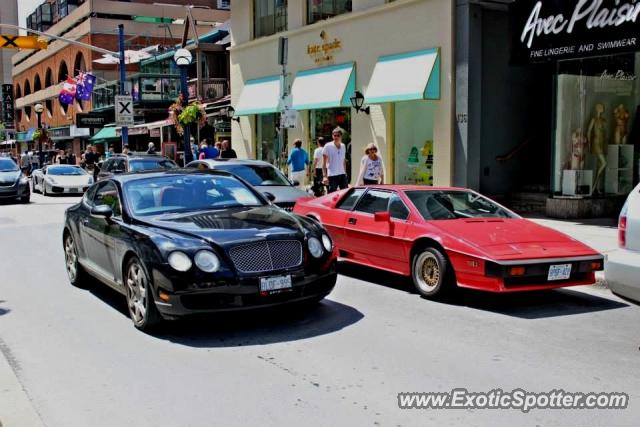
x=271 y=142
x=317 y=10
x=597 y=125
x=270 y=17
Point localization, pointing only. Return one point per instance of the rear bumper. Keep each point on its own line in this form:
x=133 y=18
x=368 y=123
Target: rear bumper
x=496 y=275
x=622 y=272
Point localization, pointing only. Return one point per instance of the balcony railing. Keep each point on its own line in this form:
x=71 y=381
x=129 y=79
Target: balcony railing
x=151 y=88
x=212 y=89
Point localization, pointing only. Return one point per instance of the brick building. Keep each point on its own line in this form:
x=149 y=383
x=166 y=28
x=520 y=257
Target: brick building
x=38 y=75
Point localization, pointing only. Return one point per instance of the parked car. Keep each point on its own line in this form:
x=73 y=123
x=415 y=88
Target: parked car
x=13 y=183
x=622 y=267
x=122 y=163
x=448 y=237
x=262 y=175
x=60 y=179
x=182 y=242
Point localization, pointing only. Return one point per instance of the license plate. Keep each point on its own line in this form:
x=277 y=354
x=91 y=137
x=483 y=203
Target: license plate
x=559 y=272
x=71 y=190
x=268 y=284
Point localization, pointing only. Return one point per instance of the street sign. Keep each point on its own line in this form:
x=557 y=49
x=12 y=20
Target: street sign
x=7 y=106
x=288 y=119
x=90 y=120
x=11 y=41
x=124 y=110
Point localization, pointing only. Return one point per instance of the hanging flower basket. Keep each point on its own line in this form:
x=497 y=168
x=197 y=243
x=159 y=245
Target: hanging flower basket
x=182 y=116
x=40 y=135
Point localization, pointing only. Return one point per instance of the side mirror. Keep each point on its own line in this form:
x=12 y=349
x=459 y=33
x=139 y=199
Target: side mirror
x=294 y=182
x=381 y=217
x=118 y=171
x=269 y=196
x=102 y=211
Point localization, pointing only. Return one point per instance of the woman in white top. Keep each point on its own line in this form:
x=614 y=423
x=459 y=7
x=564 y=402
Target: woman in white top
x=371 y=167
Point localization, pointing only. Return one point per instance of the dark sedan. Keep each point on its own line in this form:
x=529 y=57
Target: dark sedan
x=262 y=175
x=13 y=183
x=183 y=242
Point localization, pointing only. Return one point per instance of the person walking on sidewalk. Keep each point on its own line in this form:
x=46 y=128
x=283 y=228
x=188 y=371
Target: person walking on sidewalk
x=334 y=163
x=371 y=167
x=227 y=152
x=299 y=160
x=318 y=189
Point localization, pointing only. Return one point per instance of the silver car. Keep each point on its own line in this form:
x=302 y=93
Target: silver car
x=622 y=267
x=60 y=179
x=263 y=176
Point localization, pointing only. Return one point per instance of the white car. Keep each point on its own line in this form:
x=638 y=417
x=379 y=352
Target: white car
x=60 y=179
x=622 y=268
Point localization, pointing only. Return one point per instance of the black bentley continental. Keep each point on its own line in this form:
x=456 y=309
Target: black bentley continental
x=183 y=242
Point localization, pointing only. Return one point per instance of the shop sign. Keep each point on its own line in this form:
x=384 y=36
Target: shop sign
x=154 y=133
x=134 y=131
x=323 y=53
x=560 y=29
x=59 y=133
x=90 y=120
x=8 y=111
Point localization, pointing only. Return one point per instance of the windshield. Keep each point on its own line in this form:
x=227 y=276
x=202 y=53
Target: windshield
x=187 y=193
x=257 y=174
x=8 y=165
x=65 y=170
x=437 y=205
x=149 y=164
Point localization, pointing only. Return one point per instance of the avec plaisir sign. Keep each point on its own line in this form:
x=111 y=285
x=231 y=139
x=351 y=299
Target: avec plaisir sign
x=547 y=30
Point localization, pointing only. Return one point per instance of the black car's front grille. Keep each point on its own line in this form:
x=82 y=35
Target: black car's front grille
x=8 y=193
x=267 y=256
x=7 y=183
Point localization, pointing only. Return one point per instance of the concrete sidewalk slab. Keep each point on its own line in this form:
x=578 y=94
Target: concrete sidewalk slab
x=16 y=409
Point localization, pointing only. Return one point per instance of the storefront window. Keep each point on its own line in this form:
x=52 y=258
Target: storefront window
x=322 y=124
x=271 y=143
x=270 y=17
x=413 y=156
x=597 y=132
x=325 y=9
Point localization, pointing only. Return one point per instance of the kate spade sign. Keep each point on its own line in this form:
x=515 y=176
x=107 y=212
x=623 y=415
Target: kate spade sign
x=545 y=30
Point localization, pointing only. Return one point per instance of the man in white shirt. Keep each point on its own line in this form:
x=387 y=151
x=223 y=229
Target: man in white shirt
x=334 y=162
x=317 y=168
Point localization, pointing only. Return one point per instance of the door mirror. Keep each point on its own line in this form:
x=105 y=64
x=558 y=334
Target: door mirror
x=102 y=211
x=382 y=216
x=118 y=171
x=294 y=182
x=269 y=196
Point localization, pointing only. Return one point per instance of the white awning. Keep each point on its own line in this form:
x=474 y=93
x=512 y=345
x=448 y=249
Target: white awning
x=259 y=96
x=405 y=77
x=326 y=87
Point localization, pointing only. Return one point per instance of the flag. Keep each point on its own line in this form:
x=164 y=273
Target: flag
x=84 y=87
x=68 y=92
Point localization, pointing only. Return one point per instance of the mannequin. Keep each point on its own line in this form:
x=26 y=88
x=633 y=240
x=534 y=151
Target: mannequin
x=597 y=139
x=621 y=116
x=578 y=144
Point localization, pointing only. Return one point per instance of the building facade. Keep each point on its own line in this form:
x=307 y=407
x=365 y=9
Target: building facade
x=8 y=15
x=39 y=75
x=397 y=53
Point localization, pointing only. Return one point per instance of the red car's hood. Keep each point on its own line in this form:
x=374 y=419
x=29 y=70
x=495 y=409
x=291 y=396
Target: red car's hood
x=513 y=238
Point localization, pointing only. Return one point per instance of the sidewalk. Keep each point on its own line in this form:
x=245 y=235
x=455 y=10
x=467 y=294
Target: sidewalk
x=599 y=233
x=16 y=409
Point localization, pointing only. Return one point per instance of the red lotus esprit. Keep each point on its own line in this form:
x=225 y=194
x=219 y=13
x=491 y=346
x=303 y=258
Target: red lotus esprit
x=443 y=237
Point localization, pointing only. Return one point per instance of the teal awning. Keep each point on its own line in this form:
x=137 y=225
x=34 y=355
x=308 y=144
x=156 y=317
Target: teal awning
x=326 y=87
x=259 y=96
x=104 y=133
x=405 y=77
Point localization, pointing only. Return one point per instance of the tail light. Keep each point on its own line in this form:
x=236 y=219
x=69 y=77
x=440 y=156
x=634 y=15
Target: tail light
x=622 y=227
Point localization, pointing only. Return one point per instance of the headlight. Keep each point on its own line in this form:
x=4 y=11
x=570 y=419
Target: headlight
x=179 y=261
x=207 y=261
x=315 y=247
x=326 y=242
x=50 y=180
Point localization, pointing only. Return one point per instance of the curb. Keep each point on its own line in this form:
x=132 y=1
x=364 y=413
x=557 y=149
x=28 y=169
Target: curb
x=16 y=409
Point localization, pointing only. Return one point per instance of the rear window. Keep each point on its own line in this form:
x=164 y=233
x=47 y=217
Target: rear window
x=150 y=164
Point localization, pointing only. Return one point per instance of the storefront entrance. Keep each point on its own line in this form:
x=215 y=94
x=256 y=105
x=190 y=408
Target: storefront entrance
x=322 y=123
x=271 y=142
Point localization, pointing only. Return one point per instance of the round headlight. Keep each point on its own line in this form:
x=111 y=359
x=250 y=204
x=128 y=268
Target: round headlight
x=326 y=242
x=179 y=261
x=315 y=247
x=207 y=261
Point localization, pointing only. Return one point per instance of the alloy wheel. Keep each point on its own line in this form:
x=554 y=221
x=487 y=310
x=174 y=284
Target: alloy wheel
x=71 y=258
x=137 y=292
x=427 y=272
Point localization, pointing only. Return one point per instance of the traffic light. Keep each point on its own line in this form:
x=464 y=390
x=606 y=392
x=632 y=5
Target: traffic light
x=11 y=41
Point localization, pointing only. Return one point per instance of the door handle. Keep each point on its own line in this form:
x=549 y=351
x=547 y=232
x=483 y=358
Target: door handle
x=352 y=221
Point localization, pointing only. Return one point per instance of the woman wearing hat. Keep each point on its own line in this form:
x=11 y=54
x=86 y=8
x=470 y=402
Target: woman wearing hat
x=371 y=167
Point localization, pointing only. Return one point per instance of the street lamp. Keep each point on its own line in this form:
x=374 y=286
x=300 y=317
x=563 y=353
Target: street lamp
x=357 y=100
x=39 y=108
x=230 y=113
x=183 y=59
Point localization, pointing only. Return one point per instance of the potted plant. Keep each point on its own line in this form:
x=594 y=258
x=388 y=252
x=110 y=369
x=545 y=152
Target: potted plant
x=185 y=116
x=40 y=135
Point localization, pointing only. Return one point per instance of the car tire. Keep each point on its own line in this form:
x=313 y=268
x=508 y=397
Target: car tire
x=44 y=189
x=26 y=198
x=431 y=273
x=140 y=303
x=77 y=275
x=33 y=186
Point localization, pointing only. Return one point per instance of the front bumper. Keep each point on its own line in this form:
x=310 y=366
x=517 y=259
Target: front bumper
x=494 y=276
x=67 y=189
x=14 y=191
x=239 y=293
x=621 y=270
